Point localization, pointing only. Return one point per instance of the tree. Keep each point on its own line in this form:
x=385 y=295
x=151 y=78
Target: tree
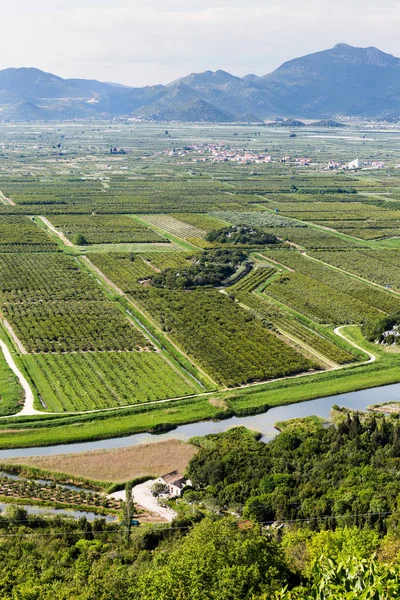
x=80 y=240
x=216 y=560
x=128 y=511
x=158 y=488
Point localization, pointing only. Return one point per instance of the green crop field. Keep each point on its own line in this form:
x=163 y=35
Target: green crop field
x=99 y=229
x=368 y=266
x=93 y=380
x=11 y=393
x=19 y=234
x=217 y=333
x=53 y=306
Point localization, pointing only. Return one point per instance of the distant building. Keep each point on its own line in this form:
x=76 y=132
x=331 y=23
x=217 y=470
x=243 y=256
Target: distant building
x=117 y=151
x=354 y=164
x=175 y=483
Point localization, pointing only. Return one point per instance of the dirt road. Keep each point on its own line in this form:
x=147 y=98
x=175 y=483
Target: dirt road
x=29 y=398
x=143 y=497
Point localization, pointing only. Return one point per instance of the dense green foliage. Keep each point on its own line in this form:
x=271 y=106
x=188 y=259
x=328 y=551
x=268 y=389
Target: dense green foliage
x=60 y=558
x=212 y=267
x=241 y=234
x=384 y=330
x=43 y=560
x=319 y=476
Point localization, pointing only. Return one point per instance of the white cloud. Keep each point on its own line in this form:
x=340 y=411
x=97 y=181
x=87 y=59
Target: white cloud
x=152 y=41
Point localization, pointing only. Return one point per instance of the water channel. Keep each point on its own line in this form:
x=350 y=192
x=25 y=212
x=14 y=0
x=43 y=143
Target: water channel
x=264 y=423
x=65 y=512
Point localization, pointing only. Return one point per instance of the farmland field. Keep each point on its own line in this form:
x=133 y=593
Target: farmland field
x=95 y=229
x=54 y=306
x=86 y=381
x=368 y=266
x=11 y=393
x=85 y=319
x=174 y=226
x=360 y=291
x=221 y=337
x=19 y=234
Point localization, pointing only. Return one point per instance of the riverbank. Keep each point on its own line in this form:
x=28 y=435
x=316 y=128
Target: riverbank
x=48 y=430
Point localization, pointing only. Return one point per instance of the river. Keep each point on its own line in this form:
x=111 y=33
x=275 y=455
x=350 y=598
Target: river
x=264 y=423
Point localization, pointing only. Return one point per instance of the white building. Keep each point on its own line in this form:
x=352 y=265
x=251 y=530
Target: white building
x=175 y=483
x=354 y=164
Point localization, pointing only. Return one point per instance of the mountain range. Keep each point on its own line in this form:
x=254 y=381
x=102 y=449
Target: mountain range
x=341 y=81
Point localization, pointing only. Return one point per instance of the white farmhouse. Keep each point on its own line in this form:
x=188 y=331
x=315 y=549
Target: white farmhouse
x=175 y=483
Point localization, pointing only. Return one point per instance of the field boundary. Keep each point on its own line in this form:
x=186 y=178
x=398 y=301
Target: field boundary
x=14 y=337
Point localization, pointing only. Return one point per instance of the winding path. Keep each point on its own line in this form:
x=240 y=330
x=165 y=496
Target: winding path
x=28 y=408
x=372 y=357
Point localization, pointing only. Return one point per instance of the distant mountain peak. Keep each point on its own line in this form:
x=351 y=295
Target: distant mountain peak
x=343 y=80
x=342 y=45
x=368 y=56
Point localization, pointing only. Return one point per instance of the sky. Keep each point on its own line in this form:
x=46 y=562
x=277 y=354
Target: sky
x=145 y=42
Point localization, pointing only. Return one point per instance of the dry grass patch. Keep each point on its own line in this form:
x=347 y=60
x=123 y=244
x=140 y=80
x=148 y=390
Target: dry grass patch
x=218 y=403
x=118 y=465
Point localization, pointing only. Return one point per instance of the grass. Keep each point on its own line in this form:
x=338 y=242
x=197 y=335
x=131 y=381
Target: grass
x=118 y=465
x=42 y=431
x=11 y=392
x=310 y=424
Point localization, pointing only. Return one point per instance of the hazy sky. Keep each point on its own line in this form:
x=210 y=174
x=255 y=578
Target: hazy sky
x=139 y=42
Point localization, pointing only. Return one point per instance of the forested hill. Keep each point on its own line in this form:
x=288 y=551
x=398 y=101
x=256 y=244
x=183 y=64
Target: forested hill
x=343 y=80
